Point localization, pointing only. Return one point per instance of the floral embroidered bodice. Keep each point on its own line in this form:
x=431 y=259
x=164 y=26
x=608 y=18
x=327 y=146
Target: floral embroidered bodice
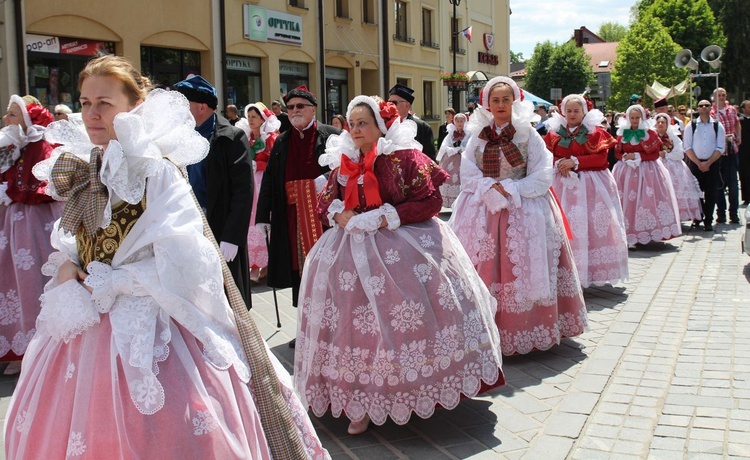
x=103 y=246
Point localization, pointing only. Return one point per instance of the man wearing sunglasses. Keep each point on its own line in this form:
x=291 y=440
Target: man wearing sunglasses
x=288 y=194
x=403 y=96
x=728 y=117
x=704 y=144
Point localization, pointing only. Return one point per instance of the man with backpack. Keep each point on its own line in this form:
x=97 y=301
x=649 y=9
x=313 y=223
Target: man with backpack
x=704 y=144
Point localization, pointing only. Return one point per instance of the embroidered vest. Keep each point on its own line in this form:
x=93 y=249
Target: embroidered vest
x=493 y=163
x=105 y=243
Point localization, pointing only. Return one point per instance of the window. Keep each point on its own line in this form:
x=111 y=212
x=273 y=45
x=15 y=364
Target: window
x=427 y=88
x=455 y=30
x=427 y=28
x=368 y=11
x=342 y=8
x=167 y=66
x=297 y=3
x=401 y=30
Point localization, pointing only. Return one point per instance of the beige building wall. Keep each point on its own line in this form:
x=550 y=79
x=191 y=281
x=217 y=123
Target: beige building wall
x=417 y=63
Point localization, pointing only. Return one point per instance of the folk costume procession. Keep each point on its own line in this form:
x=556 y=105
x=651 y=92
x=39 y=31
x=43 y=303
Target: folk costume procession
x=133 y=235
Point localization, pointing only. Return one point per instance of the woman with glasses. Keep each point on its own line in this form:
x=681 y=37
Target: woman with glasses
x=646 y=193
x=394 y=320
x=686 y=188
x=588 y=192
x=511 y=225
x=26 y=217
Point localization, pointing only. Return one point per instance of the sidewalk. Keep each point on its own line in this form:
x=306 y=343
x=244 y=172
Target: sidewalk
x=663 y=372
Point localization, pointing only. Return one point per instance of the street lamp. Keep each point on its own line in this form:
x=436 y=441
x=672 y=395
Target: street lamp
x=454 y=39
x=710 y=55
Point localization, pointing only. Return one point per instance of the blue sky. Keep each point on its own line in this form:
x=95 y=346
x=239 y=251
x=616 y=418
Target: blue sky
x=540 y=20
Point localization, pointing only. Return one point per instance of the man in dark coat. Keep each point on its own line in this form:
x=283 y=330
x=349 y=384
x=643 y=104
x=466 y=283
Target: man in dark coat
x=403 y=96
x=223 y=181
x=282 y=116
x=288 y=194
x=443 y=130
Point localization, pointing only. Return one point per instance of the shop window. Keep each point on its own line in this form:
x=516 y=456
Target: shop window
x=427 y=29
x=342 y=9
x=368 y=11
x=166 y=66
x=427 y=95
x=53 y=79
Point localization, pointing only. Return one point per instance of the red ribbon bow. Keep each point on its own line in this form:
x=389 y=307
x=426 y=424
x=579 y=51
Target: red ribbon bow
x=370 y=181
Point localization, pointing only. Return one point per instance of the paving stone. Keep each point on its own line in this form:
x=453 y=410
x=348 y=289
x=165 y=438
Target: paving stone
x=563 y=424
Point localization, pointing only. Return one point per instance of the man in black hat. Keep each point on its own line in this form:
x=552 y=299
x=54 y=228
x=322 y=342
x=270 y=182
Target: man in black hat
x=288 y=194
x=403 y=96
x=223 y=181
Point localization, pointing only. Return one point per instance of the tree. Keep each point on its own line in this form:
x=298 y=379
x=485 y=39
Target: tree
x=691 y=23
x=645 y=54
x=537 y=68
x=516 y=58
x=734 y=15
x=612 y=31
x=558 y=66
x=638 y=8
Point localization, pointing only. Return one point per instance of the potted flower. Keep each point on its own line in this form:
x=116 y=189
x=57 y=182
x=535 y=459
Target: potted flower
x=456 y=80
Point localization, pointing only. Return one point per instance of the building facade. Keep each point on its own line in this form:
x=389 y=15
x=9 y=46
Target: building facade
x=257 y=50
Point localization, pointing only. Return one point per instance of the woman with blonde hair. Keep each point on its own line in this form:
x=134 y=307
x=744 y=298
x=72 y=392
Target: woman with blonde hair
x=136 y=353
x=26 y=217
x=588 y=192
x=511 y=226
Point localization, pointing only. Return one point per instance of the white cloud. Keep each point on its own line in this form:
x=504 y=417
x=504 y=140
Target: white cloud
x=536 y=21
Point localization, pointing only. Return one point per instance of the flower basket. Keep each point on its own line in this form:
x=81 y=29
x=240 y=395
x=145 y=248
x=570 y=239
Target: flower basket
x=455 y=84
x=456 y=81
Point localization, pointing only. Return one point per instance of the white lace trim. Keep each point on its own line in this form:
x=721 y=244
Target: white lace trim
x=107 y=284
x=400 y=136
x=336 y=206
x=4 y=198
x=161 y=126
x=391 y=216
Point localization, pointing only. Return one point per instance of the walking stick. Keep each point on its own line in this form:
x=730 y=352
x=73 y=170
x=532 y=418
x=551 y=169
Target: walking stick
x=275 y=300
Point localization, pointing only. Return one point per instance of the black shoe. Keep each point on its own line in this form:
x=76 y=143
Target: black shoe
x=696 y=223
x=734 y=220
x=292 y=343
x=721 y=220
x=708 y=228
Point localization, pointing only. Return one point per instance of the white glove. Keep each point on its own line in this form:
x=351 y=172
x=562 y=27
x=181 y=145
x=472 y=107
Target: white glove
x=228 y=250
x=265 y=229
x=4 y=198
x=367 y=222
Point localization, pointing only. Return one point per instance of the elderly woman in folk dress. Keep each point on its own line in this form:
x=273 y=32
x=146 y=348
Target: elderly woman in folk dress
x=136 y=353
x=449 y=158
x=646 y=193
x=672 y=155
x=588 y=192
x=394 y=319
x=262 y=128
x=511 y=226
x=26 y=217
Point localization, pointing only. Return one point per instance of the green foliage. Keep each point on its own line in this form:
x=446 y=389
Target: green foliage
x=734 y=15
x=612 y=31
x=638 y=8
x=515 y=58
x=558 y=66
x=645 y=54
x=691 y=23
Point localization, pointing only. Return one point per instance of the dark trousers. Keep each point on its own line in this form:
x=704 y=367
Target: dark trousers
x=744 y=169
x=709 y=183
x=729 y=165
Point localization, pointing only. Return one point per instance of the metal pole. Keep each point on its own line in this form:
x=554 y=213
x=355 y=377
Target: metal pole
x=454 y=27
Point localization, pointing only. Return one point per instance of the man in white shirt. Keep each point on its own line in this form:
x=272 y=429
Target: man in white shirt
x=704 y=142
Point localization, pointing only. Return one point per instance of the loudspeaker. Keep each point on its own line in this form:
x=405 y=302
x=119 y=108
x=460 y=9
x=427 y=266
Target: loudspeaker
x=711 y=55
x=685 y=59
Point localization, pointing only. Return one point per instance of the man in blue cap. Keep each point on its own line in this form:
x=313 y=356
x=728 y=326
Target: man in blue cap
x=403 y=96
x=223 y=181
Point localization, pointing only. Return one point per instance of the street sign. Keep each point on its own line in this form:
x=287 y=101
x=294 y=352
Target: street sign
x=555 y=93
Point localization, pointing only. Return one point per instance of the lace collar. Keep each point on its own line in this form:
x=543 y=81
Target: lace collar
x=160 y=127
x=400 y=136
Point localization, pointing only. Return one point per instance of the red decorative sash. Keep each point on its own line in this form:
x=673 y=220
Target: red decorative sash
x=302 y=195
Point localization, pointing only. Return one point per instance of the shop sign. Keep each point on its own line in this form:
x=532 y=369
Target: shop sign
x=487 y=58
x=244 y=64
x=261 y=24
x=62 y=45
x=489 y=40
x=295 y=69
x=336 y=73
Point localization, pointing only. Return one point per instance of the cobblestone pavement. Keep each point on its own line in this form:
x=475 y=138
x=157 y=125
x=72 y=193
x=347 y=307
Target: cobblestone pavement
x=663 y=372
